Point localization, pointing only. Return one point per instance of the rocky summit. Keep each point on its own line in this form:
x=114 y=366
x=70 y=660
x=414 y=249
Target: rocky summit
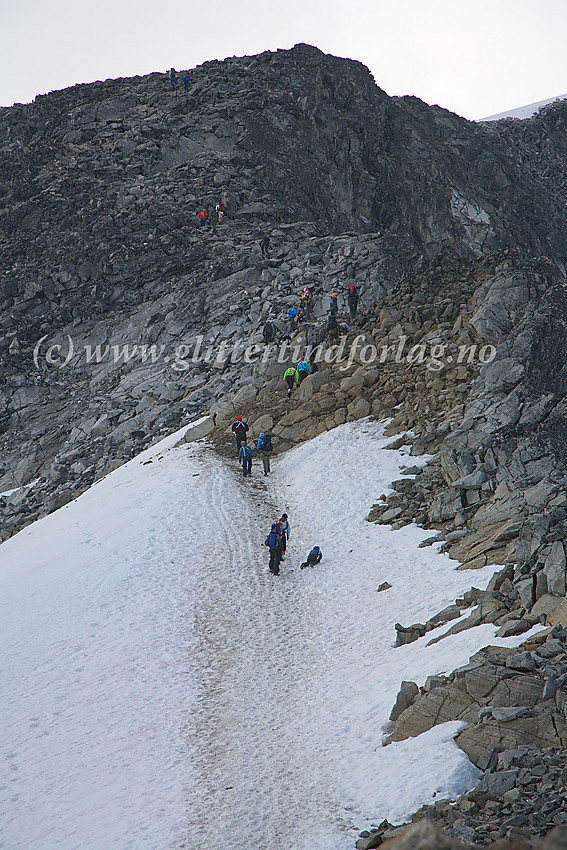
x=124 y=316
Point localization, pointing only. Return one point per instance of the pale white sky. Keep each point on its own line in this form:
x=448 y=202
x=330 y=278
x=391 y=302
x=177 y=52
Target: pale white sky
x=475 y=58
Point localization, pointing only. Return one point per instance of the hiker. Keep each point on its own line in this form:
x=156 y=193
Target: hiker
x=218 y=215
x=314 y=557
x=265 y=448
x=292 y=318
x=265 y=245
x=307 y=303
x=334 y=306
x=313 y=362
x=203 y=217
x=302 y=369
x=284 y=522
x=173 y=81
x=291 y=378
x=333 y=328
x=268 y=332
x=352 y=300
x=186 y=81
x=274 y=543
x=239 y=430
x=245 y=455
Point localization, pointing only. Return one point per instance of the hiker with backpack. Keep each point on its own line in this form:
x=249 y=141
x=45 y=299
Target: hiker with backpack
x=314 y=557
x=265 y=245
x=186 y=81
x=274 y=543
x=292 y=318
x=306 y=302
x=352 y=300
x=334 y=305
x=265 y=448
x=245 y=455
x=203 y=217
x=302 y=370
x=239 y=429
x=291 y=378
x=268 y=332
x=333 y=328
x=284 y=522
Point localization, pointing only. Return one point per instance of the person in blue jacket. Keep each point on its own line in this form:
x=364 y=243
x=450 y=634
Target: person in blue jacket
x=286 y=529
x=245 y=454
x=302 y=369
x=314 y=557
x=274 y=543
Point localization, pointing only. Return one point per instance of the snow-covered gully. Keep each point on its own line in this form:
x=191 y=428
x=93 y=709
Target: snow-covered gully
x=161 y=689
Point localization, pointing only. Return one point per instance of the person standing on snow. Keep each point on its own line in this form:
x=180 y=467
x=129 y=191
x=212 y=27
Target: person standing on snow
x=302 y=369
x=274 y=543
x=286 y=529
x=291 y=378
x=314 y=557
x=245 y=454
x=239 y=429
x=265 y=448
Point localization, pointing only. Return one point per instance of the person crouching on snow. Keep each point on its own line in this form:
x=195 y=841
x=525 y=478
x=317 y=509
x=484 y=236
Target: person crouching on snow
x=314 y=557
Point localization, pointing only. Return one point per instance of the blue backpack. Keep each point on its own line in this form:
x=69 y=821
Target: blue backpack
x=274 y=537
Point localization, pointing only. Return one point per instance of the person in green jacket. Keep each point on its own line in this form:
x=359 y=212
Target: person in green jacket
x=291 y=378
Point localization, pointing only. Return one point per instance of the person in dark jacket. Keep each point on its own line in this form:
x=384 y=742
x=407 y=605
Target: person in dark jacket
x=333 y=328
x=314 y=557
x=239 y=429
x=334 y=306
x=268 y=332
x=245 y=455
x=265 y=245
x=352 y=300
x=274 y=543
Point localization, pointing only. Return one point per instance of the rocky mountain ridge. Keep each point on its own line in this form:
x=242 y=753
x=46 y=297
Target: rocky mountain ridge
x=121 y=318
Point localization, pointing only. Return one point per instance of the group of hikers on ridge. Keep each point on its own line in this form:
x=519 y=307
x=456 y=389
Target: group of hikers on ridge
x=215 y=217
x=174 y=80
x=279 y=534
x=246 y=453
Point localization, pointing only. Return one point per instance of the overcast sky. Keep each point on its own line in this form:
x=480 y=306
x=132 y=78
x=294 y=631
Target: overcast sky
x=475 y=58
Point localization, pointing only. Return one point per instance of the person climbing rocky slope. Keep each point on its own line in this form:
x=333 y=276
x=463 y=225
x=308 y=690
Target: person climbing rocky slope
x=121 y=318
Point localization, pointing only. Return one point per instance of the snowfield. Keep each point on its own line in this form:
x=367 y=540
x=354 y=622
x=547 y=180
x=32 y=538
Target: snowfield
x=160 y=689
